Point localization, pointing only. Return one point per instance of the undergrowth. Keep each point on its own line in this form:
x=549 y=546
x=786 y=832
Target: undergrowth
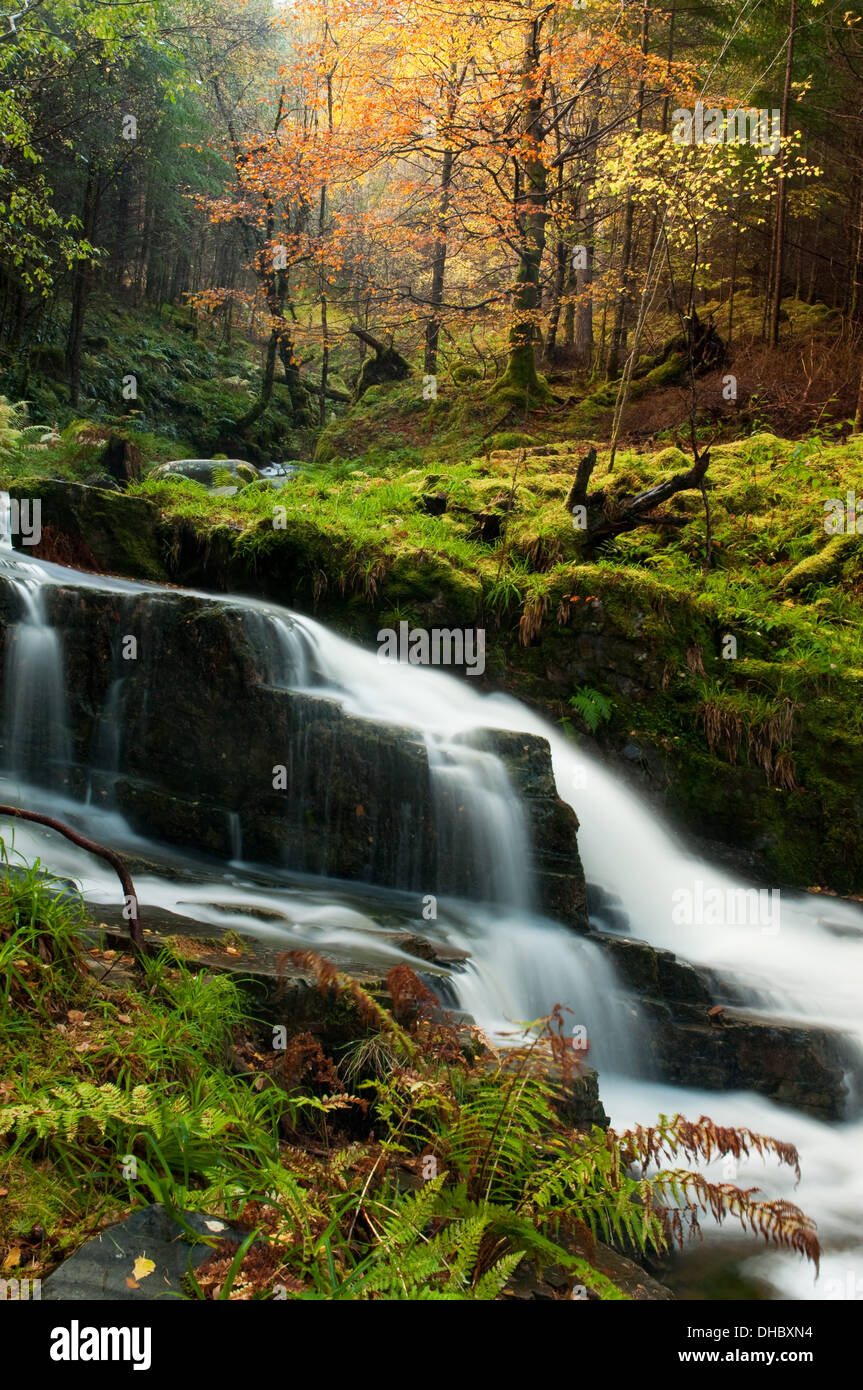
x=403 y=1165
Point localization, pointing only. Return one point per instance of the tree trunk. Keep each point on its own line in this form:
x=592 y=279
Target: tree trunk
x=439 y=264
x=618 y=332
x=81 y=287
x=779 y=261
x=584 y=275
x=531 y=215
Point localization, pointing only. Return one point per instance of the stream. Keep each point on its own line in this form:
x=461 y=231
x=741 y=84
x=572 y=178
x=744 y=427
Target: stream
x=520 y=963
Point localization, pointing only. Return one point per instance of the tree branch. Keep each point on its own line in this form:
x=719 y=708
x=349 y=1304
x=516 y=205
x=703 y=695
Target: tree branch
x=110 y=855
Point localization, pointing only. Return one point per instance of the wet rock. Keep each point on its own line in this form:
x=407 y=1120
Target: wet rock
x=841 y=929
x=556 y=1284
x=580 y=1104
x=552 y=824
x=92 y=529
x=698 y=1040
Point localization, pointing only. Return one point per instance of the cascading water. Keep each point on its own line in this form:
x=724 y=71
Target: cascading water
x=5 y=521
x=519 y=965
x=38 y=746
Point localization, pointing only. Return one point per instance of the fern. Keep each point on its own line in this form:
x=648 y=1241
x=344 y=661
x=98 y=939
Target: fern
x=594 y=707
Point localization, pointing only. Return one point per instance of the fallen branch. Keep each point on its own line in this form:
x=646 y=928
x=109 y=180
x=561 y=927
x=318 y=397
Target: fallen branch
x=110 y=855
x=607 y=516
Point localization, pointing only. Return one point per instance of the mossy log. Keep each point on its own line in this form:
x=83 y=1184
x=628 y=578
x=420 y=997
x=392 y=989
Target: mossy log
x=821 y=568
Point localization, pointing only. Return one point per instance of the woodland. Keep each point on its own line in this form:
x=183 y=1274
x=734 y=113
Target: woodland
x=541 y=317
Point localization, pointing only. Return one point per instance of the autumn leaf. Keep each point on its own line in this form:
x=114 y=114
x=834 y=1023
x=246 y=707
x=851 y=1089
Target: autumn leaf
x=143 y=1267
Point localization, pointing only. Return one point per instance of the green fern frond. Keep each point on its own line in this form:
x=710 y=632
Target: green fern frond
x=594 y=707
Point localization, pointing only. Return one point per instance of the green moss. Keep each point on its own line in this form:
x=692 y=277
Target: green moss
x=112 y=532
x=824 y=566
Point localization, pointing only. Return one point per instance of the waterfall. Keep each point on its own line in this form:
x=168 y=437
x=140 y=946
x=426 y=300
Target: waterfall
x=5 y=521
x=282 y=650
x=105 y=755
x=518 y=965
x=38 y=746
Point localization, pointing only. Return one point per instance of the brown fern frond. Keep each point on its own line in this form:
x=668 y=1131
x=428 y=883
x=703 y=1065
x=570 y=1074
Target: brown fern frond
x=410 y=997
x=778 y=1222
x=305 y=1060
x=329 y=979
x=702 y=1139
x=531 y=620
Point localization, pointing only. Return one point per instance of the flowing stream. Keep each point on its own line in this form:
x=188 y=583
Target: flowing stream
x=802 y=966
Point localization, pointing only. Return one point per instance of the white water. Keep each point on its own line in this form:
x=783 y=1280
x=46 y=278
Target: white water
x=35 y=732
x=521 y=965
x=5 y=521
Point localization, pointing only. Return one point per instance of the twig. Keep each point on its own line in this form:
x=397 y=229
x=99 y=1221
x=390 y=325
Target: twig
x=110 y=855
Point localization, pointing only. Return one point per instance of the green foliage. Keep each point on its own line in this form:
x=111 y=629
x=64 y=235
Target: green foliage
x=514 y=1182
x=12 y=428
x=594 y=707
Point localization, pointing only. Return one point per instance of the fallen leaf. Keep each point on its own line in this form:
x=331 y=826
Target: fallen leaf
x=75 y=1016
x=215 y=1225
x=143 y=1267
x=13 y=1258
x=130 y=1283
x=83 y=1047
x=124 y=1018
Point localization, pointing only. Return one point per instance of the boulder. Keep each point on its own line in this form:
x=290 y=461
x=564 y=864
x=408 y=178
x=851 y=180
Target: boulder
x=215 y=474
x=101 y=1270
x=700 y=1036
x=92 y=529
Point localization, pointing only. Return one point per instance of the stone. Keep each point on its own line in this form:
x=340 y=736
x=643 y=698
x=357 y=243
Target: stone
x=94 y=529
x=806 y=1067
x=101 y=1270
x=216 y=474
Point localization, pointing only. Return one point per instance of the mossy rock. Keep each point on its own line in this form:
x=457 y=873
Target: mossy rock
x=824 y=567
x=510 y=439
x=93 y=529
x=210 y=473
x=671 y=460
x=463 y=372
